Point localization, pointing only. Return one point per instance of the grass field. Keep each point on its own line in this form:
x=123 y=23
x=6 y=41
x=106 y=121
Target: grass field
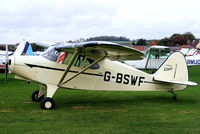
x=92 y=112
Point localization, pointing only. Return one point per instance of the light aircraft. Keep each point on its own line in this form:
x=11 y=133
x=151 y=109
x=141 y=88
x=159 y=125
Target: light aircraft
x=95 y=65
x=192 y=56
x=3 y=54
x=154 y=56
x=193 y=60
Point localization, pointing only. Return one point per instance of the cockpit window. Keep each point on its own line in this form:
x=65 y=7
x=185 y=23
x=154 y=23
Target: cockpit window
x=64 y=58
x=51 y=54
x=165 y=53
x=154 y=54
x=83 y=62
x=158 y=53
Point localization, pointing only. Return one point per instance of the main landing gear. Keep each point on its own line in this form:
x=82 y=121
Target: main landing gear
x=47 y=103
x=39 y=96
x=35 y=97
x=174 y=96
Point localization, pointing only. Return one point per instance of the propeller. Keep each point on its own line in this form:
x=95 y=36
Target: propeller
x=6 y=63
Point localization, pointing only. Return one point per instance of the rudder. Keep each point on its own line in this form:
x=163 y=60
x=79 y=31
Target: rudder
x=24 y=48
x=173 y=69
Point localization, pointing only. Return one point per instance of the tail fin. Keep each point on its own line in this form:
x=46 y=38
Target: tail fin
x=174 y=70
x=24 y=48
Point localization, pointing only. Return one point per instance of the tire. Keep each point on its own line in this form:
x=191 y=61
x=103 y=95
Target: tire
x=35 y=98
x=47 y=103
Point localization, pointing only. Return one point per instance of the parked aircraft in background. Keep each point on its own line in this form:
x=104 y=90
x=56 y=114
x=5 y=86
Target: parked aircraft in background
x=153 y=58
x=156 y=55
x=23 y=49
x=11 y=49
x=192 y=56
x=95 y=66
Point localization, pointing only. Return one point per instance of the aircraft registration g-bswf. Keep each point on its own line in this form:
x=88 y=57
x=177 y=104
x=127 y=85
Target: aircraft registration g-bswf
x=94 y=66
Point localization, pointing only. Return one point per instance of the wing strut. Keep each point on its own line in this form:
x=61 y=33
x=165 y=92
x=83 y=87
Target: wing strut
x=69 y=66
x=148 y=59
x=84 y=69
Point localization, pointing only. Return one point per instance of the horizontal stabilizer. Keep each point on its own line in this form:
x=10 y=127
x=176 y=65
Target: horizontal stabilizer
x=188 y=83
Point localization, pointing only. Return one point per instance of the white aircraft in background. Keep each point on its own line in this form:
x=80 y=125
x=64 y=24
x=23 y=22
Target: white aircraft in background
x=154 y=56
x=95 y=66
x=3 y=53
x=192 y=56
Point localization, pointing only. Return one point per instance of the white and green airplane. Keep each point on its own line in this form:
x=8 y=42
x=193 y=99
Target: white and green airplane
x=154 y=57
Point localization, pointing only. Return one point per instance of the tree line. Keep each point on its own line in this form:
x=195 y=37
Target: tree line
x=174 y=40
x=108 y=38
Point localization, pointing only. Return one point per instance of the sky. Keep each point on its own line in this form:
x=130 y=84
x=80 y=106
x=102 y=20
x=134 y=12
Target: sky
x=63 y=20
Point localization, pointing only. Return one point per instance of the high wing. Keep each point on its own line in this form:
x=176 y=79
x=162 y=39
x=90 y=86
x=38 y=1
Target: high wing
x=45 y=44
x=100 y=48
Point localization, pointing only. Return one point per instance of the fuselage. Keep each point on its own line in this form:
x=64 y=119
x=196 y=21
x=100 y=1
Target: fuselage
x=110 y=76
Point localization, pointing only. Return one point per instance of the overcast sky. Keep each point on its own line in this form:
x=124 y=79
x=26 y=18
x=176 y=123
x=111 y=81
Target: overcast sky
x=62 y=20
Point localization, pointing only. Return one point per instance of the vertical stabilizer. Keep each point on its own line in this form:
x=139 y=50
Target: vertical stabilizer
x=24 y=48
x=173 y=69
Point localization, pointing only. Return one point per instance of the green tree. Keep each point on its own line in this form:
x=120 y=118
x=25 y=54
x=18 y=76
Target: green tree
x=108 y=38
x=189 y=36
x=36 y=47
x=141 y=42
x=178 y=39
x=165 y=42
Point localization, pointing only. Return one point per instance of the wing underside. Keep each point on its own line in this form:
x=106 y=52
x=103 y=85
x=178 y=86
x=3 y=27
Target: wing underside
x=95 y=48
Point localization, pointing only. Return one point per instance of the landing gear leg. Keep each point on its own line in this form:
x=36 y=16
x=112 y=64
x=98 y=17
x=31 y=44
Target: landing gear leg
x=38 y=95
x=48 y=102
x=174 y=96
x=35 y=96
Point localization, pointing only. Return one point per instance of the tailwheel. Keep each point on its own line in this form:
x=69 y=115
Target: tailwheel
x=35 y=97
x=47 y=103
x=174 y=96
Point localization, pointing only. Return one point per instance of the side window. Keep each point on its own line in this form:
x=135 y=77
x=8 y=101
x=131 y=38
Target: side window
x=165 y=53
x=154 y=54
x=81 y=61
x=146 y=53
x=67 y=58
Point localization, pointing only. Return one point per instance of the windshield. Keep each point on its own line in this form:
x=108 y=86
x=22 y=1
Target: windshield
x=51 y=54
x=161 y=53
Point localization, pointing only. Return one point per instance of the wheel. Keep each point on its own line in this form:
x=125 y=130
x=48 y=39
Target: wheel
x=34 y=96
x=47 y=103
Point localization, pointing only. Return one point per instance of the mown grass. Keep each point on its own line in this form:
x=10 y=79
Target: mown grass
x=92 y=112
